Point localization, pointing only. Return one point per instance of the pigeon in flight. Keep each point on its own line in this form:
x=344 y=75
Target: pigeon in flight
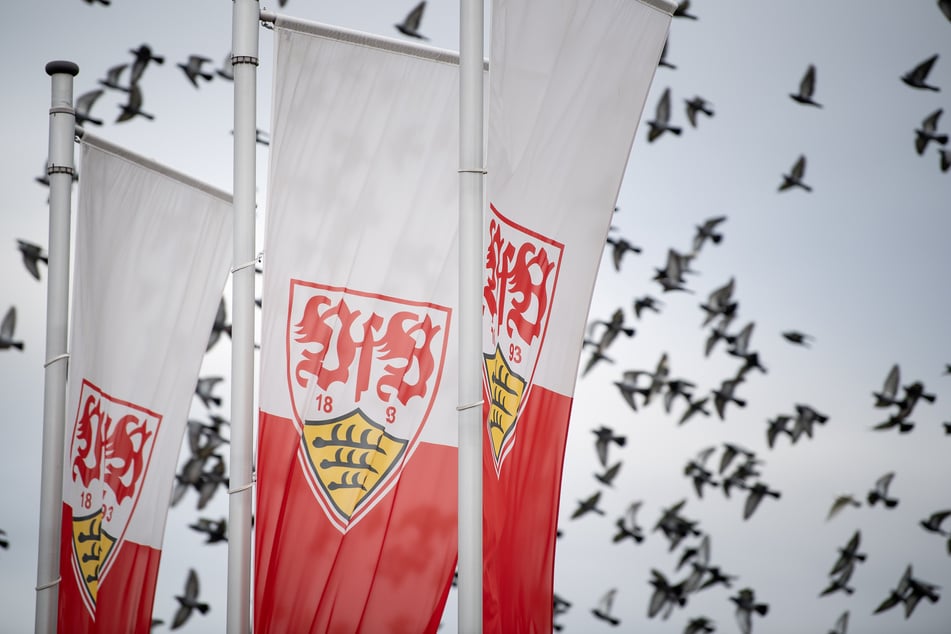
x=661 y=122
x=849 y=554
x=188 y=601
x=756 y=494
x=707 y=231
x=932 y=523
x=627 y=525
x=928 y=132
x=192 y=69
x=603 y=610
x=143 y=56
x=605 y=435
x=880 y=492
x=798 y=338
x=112 y=78
x=840 y=502
x=700 y=625
x=84 y=103
x=683 y=10
x=917 y=76
x=588 y=505
x=663 y=57
x=621 y=246
x=746 y=606
x=33 y=254
x=646 y=303
x=695 y=105
x=220 y=325
x=7 y=327
x=794 y=178
x=215 y=530
x=609 y=474
x=410 y=25
x=945 y=159
x=841 y=624
x=134 y=106
x=204 y=388
x=226 y=71
x=807 y=87
x=887 y=396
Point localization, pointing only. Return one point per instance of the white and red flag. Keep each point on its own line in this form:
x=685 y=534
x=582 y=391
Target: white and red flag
x=355 y=528
x=153 y=251
x=568 y=80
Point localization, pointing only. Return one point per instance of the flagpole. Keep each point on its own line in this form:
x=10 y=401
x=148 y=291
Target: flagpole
x=244 y=57
x=59 y=169
x=471 y=188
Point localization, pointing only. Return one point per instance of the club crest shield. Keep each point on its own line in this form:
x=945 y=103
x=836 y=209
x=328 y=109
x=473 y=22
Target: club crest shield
x=520 y=276
x=362 y=370
x=109 y=454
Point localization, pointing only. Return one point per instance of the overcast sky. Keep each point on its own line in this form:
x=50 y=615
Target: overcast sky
x=860 y=263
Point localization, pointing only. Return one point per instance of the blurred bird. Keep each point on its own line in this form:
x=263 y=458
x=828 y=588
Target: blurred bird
x=889 y=389
x=410 y=25
x=7 y=326
x=841 y=624
x=932 y=523
x=794 y=178
x=674 y=526
x=32 y=254
x=944 y=159
x=840 y=503
x=559 y=607
x=707 y=231
x=726 y=395
x=806 y=417
x=4 y=542
x=84 y=104
x=746 y=606
x=849 y=554
x=628 y=386
x=613 y=328
x=226 y=71
x=661 y=122
x=671 y=277
x=621 y=246
x=700 y=625
x=693 y=408
x=840 y=582
x=143 y=57
x=665 y=596
x=798 y=338
x=945 y=6
x=663 y=57
x=204 y=388
x=807 y=86
x=605 y=436
x=777 y=426
x=731 y=451
x=588 y=505
x=675 y=388
x=720 y=303
x=627 y=525
x=188 y=601
x=682 y=10
x=646 y=303
x=133 y=107
x=215 y=530
x=603 y=610
x=192 y=69
x=929 y=132
x=880 y=492
x=917 y=76
x=695 y=105
x=909 y=591
x=609 y=474
x=112 y=78
x=755 y=495
x=220 y=325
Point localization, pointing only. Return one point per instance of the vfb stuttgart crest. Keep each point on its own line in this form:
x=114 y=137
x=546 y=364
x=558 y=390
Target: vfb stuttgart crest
x=363 y=371
x=109 y=456
x=521 y=271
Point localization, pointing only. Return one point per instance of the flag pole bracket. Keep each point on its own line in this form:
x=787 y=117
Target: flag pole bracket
x=53 y=360
x=47 y=586
x=460 y=408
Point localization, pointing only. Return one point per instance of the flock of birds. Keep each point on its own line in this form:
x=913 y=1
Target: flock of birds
x=738 y=471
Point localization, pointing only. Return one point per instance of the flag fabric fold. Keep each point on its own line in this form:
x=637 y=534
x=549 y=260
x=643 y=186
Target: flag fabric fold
x=568 y=80
x=153 y=251
x=355 y=524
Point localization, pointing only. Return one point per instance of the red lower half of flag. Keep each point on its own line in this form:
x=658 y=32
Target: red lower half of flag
x=520 y=520
x=390 y=572
x=121 y=599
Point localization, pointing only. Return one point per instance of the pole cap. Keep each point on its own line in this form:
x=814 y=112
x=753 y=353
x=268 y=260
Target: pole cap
x=59 y=66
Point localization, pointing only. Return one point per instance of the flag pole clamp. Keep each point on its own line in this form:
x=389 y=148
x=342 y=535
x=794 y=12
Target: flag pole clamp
x=53 y=360
x=256 y=259
x=478 y=403
x=49 y=585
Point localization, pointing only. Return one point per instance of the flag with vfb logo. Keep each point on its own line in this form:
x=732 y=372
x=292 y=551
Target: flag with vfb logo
x=355 y=524
x=153 y=251
x=568 y=80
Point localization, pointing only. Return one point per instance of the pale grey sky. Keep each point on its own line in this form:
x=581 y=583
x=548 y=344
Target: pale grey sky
x=860 y=263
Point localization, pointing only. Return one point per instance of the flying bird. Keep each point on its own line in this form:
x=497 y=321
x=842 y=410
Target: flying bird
x=605 y=436
x=707 y=231
x=746 y=606
x=83 y=105
x=889 y=391
x=188 y=601
x=932 y=523
x=682 y=10
x=880 y=492
x=588 y=505
x=665 y=596
x=192 y=69
x=410 y=25
x=603 y=609
x=646 y=303
x=33 y=254
x=840 y=502
x=134 y=106
x=627 y=525
x=215 y=530
x=917 y=76
x=112 y=78
x=204 y=390
x=143 y=57
x=609 y=474
x=661 y=122
x=7 y=327
x=621 y=246
x=226 y=71
x=944 y=159
x=794 y=178
x=807 y=86
x=220 y=325
x=663 y=57
x=798 y=338
x=928 y=132
x=695 y=105
x=756 y=494
x=841 y=624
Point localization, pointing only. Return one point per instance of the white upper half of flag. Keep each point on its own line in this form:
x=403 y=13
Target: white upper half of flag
x=568 y=81
x=362 y=212
x=153 y=252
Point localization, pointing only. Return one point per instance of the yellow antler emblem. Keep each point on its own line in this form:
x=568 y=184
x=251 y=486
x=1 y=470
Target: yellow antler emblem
x=91 y=547
x=506 y=390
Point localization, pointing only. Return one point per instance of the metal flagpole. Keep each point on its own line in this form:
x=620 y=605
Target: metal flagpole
x=60 y=170
x=244 y=56
x=471 y=187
